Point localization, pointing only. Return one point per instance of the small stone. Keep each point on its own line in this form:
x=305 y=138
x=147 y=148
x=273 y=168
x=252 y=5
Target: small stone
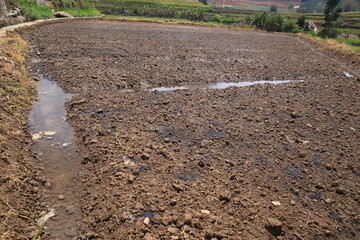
x=204 y=211
x=167 y=140
x=327 y=233
x=174 y=237
x=274 y=226
x=340 y=190
x=201 y=164
x=187 y=218
x=204 y=143
x=70 y=210
x=302 y=154
x=130 y=179
x=139 y=206
x=177 y=187
x=275 y=203
x=147 y=221
x=328 y=200
x=173 y=202
x=145 y=156
x=225 y=196
x=35 y=189
x=173 y=230
x=292 y=202
x=294 y=114
x=148 y=236
x=48 y=185
x=66 y=144
x=61 y=197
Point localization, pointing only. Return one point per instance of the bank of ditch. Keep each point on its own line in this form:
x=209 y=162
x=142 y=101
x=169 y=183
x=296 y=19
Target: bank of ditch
x=19 y=199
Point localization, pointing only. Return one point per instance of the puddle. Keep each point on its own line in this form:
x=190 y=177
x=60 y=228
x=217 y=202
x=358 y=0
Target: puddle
x=221 y=85
x=54 y=145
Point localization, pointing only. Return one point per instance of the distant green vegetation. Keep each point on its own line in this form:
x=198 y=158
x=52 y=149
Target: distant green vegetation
x=176 y=3
x=155 y=8
x=275 y=23
x=284 y=20
x=319 y=6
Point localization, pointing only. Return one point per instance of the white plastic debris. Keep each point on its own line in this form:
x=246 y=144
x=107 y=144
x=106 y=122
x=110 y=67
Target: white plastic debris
x=48 y=133
x=41 y=221
x=347 y=74
x=39 y=135
x=36 y=136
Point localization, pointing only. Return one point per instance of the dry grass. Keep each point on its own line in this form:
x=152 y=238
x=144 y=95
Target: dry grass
x=340 y=52
x=17 y=93
x=332 y=44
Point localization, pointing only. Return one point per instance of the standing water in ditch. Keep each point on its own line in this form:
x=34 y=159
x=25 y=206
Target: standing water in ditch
x=56 y=151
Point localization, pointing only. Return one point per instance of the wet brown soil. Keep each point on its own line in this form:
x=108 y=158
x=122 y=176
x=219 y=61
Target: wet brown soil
x=256 y=162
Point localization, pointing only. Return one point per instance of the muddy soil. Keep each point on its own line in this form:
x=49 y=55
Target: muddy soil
x=256 y=162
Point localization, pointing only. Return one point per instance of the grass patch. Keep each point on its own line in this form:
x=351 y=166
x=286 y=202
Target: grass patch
x=350 y=41
x=355 y=48
x=334 y=44
x=81 y=12
x=32 y=11
x=226 y=20
x=166 y=20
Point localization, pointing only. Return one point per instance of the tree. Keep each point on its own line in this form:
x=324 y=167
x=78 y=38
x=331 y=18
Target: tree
x=273 y=8
x=350 y=5
x=291 y=6
x=259 y=20
x=332 y=13
x=274 y=23
x=320 y=7
x=301 y=21
x=290 y=26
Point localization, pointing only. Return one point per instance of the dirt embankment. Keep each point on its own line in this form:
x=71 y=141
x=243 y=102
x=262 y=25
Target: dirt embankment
x=260 y=162
x=19 y=203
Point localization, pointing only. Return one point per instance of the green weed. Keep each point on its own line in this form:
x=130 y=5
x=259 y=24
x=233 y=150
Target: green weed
x=350 y=41
x=32 y=11
x=81 y=12
x=177 y=3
